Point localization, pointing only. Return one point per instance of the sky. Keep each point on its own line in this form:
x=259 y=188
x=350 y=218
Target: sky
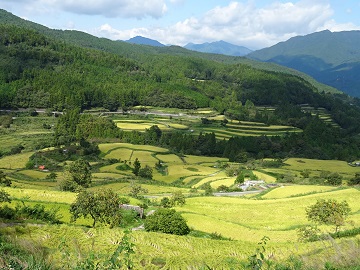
x=254 y=24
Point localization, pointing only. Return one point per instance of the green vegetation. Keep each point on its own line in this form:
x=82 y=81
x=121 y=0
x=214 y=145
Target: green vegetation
x=102 y=206
x=231 y=122
x=329 y=212
x=167 y=221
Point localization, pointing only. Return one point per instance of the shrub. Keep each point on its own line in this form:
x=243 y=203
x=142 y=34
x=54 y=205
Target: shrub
x=166 y=202
x=146 y=172
x=167 y=221
x=309 y=234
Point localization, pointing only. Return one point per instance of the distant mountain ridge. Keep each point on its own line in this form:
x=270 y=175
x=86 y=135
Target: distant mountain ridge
x=332 y=58
x=219 y=47
x=137 y=53
x=144 y=41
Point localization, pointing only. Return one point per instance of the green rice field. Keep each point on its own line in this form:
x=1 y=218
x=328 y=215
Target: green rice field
x=243 y=220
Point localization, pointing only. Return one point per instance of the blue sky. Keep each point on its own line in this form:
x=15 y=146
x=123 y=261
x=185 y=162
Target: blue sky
x=254 y=23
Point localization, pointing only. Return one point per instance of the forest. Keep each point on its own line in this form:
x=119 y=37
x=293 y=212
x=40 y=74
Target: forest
x=39 y=71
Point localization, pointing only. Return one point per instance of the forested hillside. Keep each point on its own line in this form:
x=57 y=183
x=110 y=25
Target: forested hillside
x=43 y=68
x=141 y=53
x=38 y=71
x=331 y=58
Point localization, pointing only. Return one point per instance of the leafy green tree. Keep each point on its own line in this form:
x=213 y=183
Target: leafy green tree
x=328 y=212
x=334 y=179
x=167 y=221
x=4 y=196
x=178 y=198
x=146 y=172
x=208 y=189
x=51 y=176
x=102 y=206
x=136 y=189
x=77 y=174
x=355 y=180
x=223 y=188
x=166 y=202
x=80 y=171
x=240 y=178
x=4 y=181
x=137 y=166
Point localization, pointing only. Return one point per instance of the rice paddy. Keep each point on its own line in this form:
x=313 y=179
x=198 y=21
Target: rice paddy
x=278 y=213
x=300 y=164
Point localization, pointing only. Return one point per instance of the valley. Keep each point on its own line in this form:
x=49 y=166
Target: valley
x=123 y=156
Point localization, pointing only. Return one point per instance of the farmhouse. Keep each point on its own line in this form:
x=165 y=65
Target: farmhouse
x=251 y=183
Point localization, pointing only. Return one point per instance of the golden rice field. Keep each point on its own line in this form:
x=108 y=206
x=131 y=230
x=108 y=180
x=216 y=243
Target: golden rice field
x=300 y=164
x=141 y=125
x=17 y=161
x=245 y=221
x=106 y=147
x=296 y=190
x=263 y=176
x=228 y=181
x=35 y=174
x=169 y=158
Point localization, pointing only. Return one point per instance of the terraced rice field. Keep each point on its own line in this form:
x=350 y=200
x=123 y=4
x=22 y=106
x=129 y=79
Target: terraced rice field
x=176 y=167
x=300 y=164
x=244 y=128
x=247 y=220
x=17 y=161
x=141 y=125
x=322 y=113
x=296 y=190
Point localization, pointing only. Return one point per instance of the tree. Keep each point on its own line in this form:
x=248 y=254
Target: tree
x=355 y=180
x=240 y=178
x=4 y=181
x=208 y=189
x=102 y=206
x=136 y=189
x=167 y=221
x=146 y=172
x=328 y=212
x=334 y=179
x=76 y=174
x=137 y=166
x=166 y=202
x=4 y=196
x=178 y=198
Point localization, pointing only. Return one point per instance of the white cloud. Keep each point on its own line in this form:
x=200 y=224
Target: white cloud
x=245 y=24
x=109 y=8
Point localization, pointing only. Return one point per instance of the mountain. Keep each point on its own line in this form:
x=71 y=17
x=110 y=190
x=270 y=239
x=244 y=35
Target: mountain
x=219 y=47
x=144 y=41
x=139 y=53
x=332 y=58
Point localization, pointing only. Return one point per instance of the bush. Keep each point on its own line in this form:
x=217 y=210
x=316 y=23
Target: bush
x=167 y=221
x=309 y=234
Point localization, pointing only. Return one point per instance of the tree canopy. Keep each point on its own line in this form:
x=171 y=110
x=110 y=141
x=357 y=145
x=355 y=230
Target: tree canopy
x=328 y=212
x=103 y=206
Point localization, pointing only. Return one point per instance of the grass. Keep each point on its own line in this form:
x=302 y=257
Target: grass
x=106 y=147
x=263 y=176
x=17 y=161
x=229 y=181
x=276 y=218
x=300 y=164
x=296 y=190
x=169 y=158
x=120 y=153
